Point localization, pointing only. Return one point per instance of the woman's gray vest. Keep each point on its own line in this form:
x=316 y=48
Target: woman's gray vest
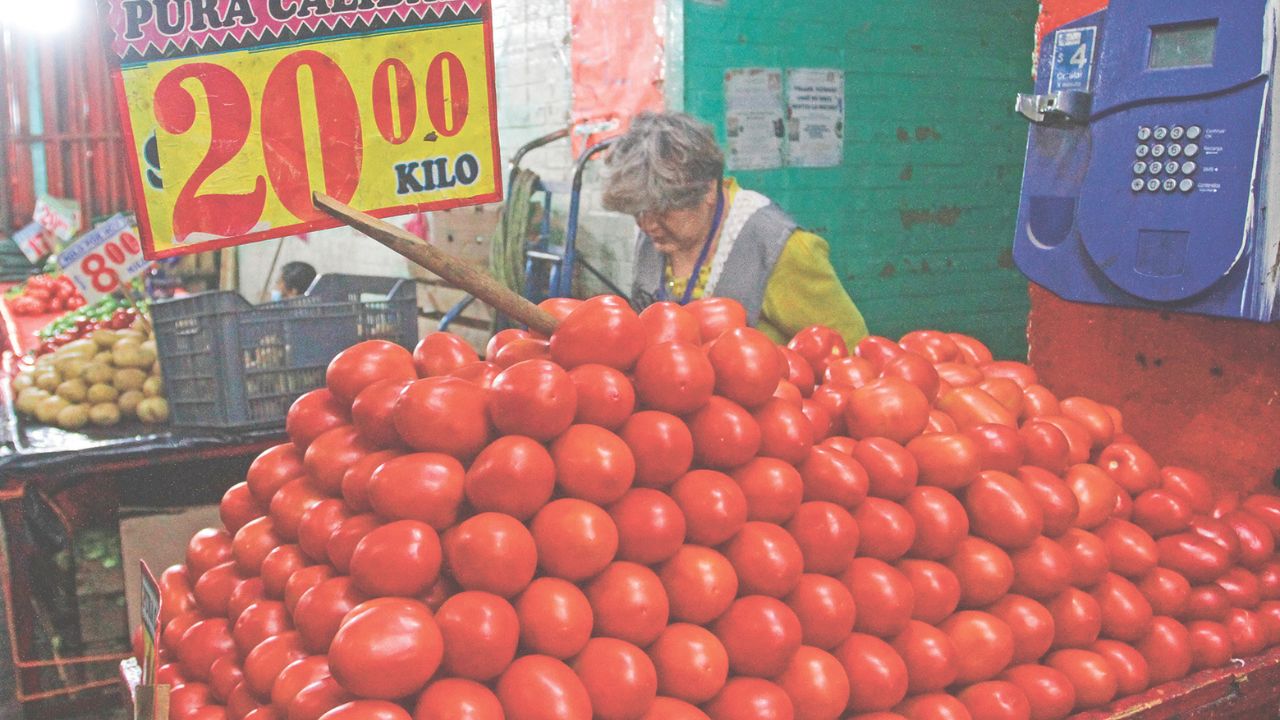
x=746 y=271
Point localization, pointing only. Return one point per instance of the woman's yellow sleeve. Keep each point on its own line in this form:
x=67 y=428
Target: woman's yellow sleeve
x=804 y=290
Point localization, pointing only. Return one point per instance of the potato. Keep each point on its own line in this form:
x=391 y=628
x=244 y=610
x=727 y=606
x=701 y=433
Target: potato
x=146 y=357
x=23 y=380
x=128 y=402
x=129 y=355
x=102 y=393
x=28 y=399
x=153 y=387
x=129 y=379
x=70 y=366
x=105 y=338
x=48 y=380
x=149 y=345
x=73 y=390
x=98 y=373
x=153 y=410
x=73 y=417
x=47 y=410
x=83 y=347
x=131 y=334
x=103 y=358
x=104 y=414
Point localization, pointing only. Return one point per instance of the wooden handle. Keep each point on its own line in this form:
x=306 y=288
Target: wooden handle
x=455 y=272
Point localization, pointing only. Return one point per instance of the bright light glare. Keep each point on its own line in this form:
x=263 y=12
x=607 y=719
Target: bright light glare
x=41 y=17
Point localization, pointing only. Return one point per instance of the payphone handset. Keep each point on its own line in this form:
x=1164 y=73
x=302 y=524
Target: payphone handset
x=1149 y=166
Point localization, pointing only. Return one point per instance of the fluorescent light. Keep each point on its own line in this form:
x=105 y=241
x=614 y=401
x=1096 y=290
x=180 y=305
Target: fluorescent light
x=45 y=17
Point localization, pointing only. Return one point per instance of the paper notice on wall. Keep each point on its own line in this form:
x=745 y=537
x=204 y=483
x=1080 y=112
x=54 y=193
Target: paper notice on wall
x=754 y=118
x=815 y=117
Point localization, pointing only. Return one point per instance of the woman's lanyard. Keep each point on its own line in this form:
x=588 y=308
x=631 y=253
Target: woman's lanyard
x=702 y=257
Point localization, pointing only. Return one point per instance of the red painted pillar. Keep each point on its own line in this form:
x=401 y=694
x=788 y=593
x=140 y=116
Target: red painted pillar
x=1196 y=391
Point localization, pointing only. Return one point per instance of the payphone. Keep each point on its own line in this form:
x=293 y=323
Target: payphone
x=1150 y=168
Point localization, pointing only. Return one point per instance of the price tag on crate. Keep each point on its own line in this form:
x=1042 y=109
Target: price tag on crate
x=236 y=110
x=104 y=258
x=60 y=217
x=150 y=623
x=33 y=241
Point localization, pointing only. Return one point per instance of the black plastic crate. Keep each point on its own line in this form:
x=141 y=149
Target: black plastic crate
x=230 y=364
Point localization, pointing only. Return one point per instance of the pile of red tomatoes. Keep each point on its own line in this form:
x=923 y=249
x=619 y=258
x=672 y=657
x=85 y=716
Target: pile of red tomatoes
x=665 y=516
x=44 y=294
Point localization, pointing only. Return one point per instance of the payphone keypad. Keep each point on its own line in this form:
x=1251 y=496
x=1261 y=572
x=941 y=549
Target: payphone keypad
x=1164 y=161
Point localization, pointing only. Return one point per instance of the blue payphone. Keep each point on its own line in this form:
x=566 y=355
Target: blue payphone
x=1149 y=168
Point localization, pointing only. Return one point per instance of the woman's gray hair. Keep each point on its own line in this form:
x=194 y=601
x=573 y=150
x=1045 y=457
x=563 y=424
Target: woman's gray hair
x=666 y=161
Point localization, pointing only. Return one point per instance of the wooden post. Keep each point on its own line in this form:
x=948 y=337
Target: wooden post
x=455 y=272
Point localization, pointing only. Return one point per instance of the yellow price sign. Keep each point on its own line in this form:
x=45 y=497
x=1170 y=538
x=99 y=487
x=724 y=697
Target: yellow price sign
x=236 y=110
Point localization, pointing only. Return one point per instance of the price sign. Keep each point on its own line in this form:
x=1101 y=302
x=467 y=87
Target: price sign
x=33 y=241
x=150 y=623
x=104 y=258
x=57 y=216
x=236 y=110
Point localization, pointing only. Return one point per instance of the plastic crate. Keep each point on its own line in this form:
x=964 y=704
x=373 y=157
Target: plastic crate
x=230 y=364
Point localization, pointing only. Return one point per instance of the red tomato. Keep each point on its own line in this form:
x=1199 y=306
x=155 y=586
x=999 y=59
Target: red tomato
x=785 y=431
x=1097 y=422
x=891 y=470
x=1046 y=445
x=665 y=708
x=245 y=593
x=1268 y=581
x=363 y=710
x=400 y=558
x=536 y=398
x=946 y=460
x=715 y=315
x=817 y=684
x=272 y=469
x=318 y=524
x=1038 y=401
x=1020 y=373
x=619 y=678
x=877 y=674
x=799 y=372
x=320 y=610
x=691 y=663
x=503 y=337
x=940 y=522
x=519 y=350
x=386 y=649
x=916 y=370
x=555 y=618
x=213 y=589
x=984 y=644
x=936 y=346
x=443 y=414
x=1006 y=392
x=203 y=643
x=956 y=374
x=207 y=548
x=1191 y=485
x=935 y=587
x=651 y=527
x=1002 y=510
x=1057 y=502
x=833 y=477
x=930 y=706
x=240 y=703
x=440 y=353
x=537 y=687
x=1132 y=551
x=593 y=464
x=1211 y=645
x=1095 y=493
x=251 y=545
x=888 y=407
x=825 y=609
x=171 y=637
x=603 y=330
x=296 y=676
x=1077 y=435
x=1041 y=570
x=1166 y=590
x=1241 y=587
x=186 y=699
x=970 y=350
x=344 y=540
x=984 y=570
x=999 y=447
x=1266 y=508
x=1199 y=559
x=1269 y=613
x=700 y=583
x=1167 y=648
x=996 y=700
x=834 y=400
x=559 y=307
x=490 y=482
x=1089 y=559
x=1161 y=512
x=238 y=507
x=886 y=528
x=491 y=552
x=1031 y=623
x=760 y=635
x=1126 y=663
x=1077 y=619
x=714 y=506
x=748 y=698
x=878 y=350
x=972 y=406
x=1131 y=467
x=365 y=363
x=278 y=566
x=1050 y=692
x=480 y=632
x=371 y=412
x=725 y=435
x=629 y=603
x=827 y=535
x=1208 y=602
x=291 y=503
x=773 y=489
x=575 y=539
x=263 y=664
x=1257 y=544
x=1090 y=673
x=819 y=418
x=883 y=596
x=1248 y=634
x=355 y=481
x=302 y=581
x=930 y=657
x=420 y=486
x=1219 y=532
x=312 y=414
x=674 y=377
x=818 y=345
x=457 y=699
x=662 y=446
x=224 y=674
x=666 y=322
x=849 y=372
x=767 y=559
x=1126 y=613
x=940 y=423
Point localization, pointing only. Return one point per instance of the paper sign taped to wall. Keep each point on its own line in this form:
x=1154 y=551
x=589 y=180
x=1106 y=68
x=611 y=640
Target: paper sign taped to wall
x=815 y=117
x=753 y=118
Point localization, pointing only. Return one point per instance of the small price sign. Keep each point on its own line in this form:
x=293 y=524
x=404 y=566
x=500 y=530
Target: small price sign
x=33 y=241
x=150 y=623
x=104 y=258
x=237 y=110
x=59 y=217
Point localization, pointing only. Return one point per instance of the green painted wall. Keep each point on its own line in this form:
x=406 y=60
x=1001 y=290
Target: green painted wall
x=920 y=217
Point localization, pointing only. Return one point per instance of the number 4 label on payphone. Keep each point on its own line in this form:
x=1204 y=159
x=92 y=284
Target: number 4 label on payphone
x=1072 y=59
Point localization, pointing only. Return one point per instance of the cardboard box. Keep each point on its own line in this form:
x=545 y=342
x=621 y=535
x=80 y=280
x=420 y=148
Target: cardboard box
x=159 y=537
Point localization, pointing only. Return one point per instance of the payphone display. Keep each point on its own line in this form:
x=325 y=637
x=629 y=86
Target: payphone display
x=1149 y=161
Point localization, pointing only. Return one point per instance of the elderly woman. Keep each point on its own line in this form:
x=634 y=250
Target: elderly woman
x=701 y=235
